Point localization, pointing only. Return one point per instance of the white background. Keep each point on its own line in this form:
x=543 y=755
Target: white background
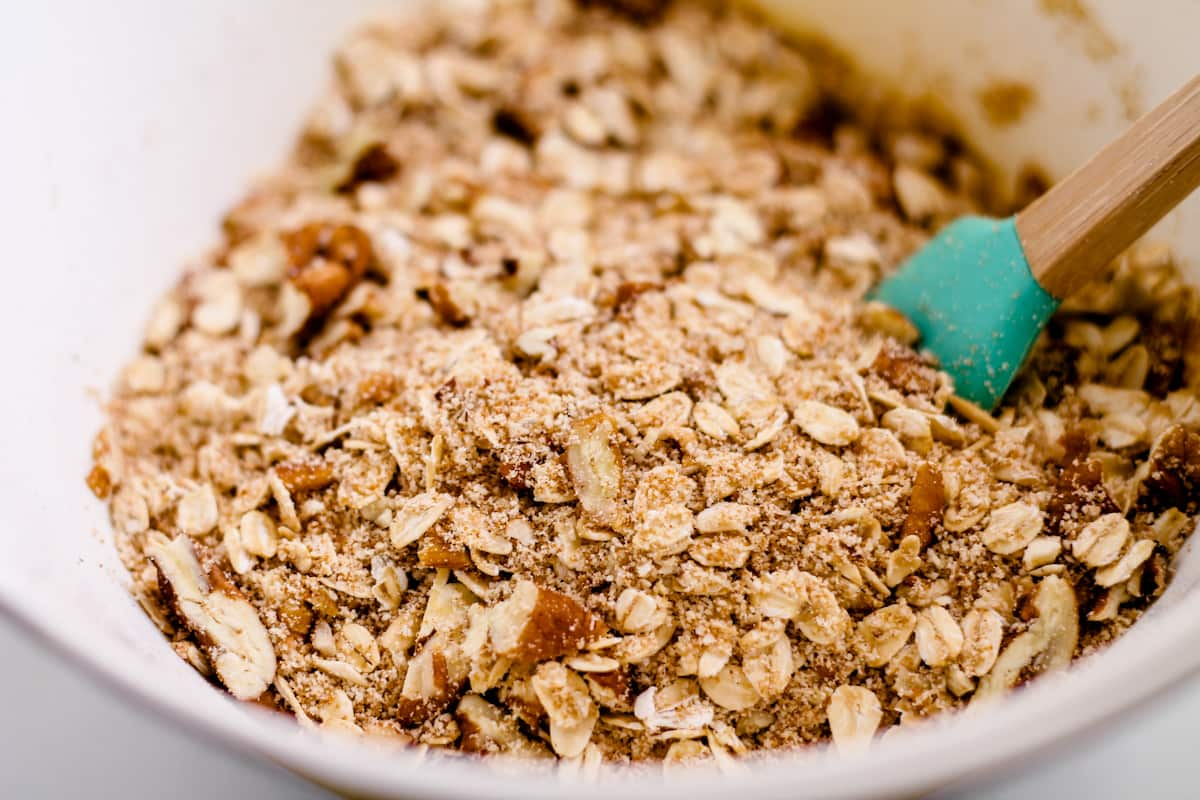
x=62 y=736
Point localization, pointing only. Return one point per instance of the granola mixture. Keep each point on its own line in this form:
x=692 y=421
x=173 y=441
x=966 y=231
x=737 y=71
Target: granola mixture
x=533 y=408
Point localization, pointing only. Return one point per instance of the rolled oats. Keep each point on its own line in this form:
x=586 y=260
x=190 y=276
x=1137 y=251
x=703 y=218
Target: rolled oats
x=883 y=633
x=854 y=716
x=983 y=631
x=730 y=689
x=1101 y=541
x=1124 y=568
x=769 y=669
x=939 y=638
x=492 y=444
x=197 y=513
x=1012 y=527
x=825 y=423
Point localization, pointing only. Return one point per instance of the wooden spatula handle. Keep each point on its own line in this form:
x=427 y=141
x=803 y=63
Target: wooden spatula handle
x=1097 y=211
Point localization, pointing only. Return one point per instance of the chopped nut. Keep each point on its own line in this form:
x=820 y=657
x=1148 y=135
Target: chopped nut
x=1051 y=639
x=903 y=369
x=304 y=476
x=594 y=465
x=326 y=261
x=486 y=729
x=100 y=482
x=535 y=624
x=925 y=505
x=224 y=623
x=1174 y=475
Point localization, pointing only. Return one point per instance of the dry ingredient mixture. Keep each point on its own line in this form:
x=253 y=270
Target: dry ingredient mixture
x=533 y=408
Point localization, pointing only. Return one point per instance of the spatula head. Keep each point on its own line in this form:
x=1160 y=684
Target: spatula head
x=978 y=307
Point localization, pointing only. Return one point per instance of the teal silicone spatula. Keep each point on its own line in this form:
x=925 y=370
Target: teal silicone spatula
x=981 y=291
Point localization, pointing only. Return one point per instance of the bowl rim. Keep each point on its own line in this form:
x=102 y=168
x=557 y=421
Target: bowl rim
x=1046 y=714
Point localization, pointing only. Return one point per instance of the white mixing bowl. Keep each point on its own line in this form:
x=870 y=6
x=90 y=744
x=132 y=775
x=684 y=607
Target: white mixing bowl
x=130 y=125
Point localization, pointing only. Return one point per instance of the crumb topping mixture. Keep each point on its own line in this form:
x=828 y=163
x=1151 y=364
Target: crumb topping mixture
x=533 y=407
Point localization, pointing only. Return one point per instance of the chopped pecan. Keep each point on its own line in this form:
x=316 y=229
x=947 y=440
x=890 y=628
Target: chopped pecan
x=1153 y=581
x=374 y=164
x=1056 y=366
x=100 y=482
x=437 y=550
x=637 y=10
x=304 y=476
x=226 y=626
x=516 y=464
x=627 y=293
x=376 y=388
x=613 y=689
x=925 y=505
x=595 y=466
x=487 y=729
x=1079 y=496
x=516 y=124
x=296 y=615
x=442 y=300
x=1076 y=443
x=1174 y=476
x=536 y=624
x=1165 y=344
x=904 y=369
x=327 y=259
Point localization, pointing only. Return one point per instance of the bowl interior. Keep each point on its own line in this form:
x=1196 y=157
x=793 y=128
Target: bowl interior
x=140 y=122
